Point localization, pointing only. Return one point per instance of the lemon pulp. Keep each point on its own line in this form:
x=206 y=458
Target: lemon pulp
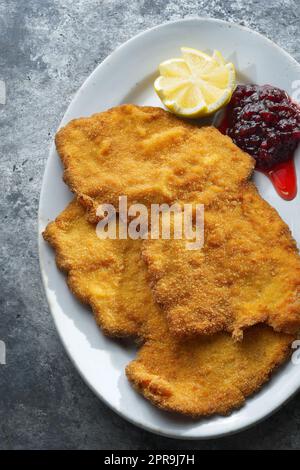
x=197 y=84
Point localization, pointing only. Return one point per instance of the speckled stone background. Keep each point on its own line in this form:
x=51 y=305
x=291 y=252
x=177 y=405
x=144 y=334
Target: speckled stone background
x=47 y=49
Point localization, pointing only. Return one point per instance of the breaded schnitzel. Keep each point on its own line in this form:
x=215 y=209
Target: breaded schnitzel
x=248 y=272
x=195 y=377
x=150 y=156
x=106 y=274
x=208 y=374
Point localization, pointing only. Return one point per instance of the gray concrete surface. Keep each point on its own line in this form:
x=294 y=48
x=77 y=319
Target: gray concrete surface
x=47 y=49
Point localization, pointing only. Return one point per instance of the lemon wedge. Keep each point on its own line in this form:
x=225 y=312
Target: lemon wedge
x=197 y=84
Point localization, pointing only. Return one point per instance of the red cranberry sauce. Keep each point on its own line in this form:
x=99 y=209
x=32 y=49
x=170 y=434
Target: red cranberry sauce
x=264 y=122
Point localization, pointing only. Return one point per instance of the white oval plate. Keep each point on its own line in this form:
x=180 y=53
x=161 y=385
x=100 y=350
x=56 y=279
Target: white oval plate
x=126 y=76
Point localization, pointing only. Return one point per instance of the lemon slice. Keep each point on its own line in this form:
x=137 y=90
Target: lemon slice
x=197 y=84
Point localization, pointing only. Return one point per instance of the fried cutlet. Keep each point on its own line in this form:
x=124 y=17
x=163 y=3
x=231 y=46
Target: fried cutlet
x=207 y=374
x=105 y=274
x=150 y=156
x=247 y=272
x=195 y=377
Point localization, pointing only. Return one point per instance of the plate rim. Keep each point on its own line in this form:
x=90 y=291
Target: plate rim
x=149 y=428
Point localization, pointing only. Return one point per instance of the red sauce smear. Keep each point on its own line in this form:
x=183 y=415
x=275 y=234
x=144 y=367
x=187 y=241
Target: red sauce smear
x=283 y=175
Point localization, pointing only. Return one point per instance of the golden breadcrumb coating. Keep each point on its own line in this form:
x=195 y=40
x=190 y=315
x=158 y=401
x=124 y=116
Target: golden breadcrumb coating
x=248 y=272
x=150 y=156
x=106 y=274
x=207 y=374
x=196 y=377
